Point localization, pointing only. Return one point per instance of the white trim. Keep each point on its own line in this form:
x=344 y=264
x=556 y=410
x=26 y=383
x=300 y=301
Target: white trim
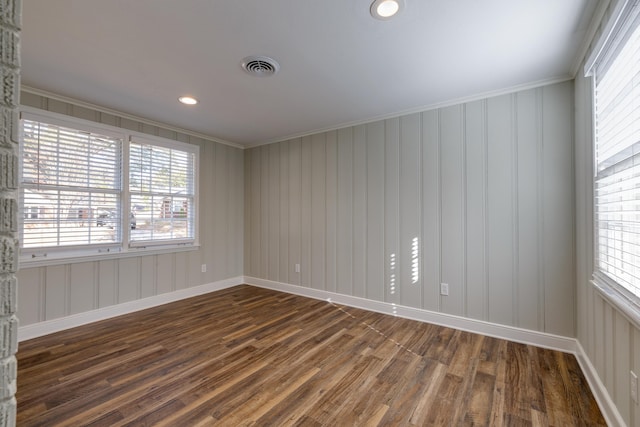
x=620 y=302
x=583 y=50
x=76 y=102
x=38 y=257
x=539 y=339
x=608 y=33
x=66 y=120
x=55 y=325
x=421 y=109
x=524 y=336
x=132 y=252
x=607 y=406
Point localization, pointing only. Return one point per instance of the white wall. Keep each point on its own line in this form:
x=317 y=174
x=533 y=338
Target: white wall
x=610 y=340
x=486 y=187
x=57 y=291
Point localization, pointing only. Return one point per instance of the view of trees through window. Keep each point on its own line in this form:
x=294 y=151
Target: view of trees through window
x=69 y=178
x=72 y=186
x=161 y=188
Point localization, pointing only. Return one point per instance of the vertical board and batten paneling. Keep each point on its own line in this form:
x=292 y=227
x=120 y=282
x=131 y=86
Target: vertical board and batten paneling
x=318 y=211
x=81 y=292
x=294 y=158
x=359 y=211
x=558 y=173
x=274 y=211
x=452 y=197
x=500 y=183
x=32 y=283
x=344 y=202
x=128 y=286
x=375 y=256
x=391 y=209
x=305 y=213
x=528 y=167
x=331 y=237
x=283 y=244
x=56 y=291
x=107 y=286
x=148 y=273
x=264 y=219
x=219 y=221
x=255 y=207
x=475 y=210
x=431 y=203
x=410 y=197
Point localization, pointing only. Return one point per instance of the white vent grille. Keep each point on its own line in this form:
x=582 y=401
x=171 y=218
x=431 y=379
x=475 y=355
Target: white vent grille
x=260 y=66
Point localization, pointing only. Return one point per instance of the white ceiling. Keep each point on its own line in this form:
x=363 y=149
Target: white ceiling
x=339 y=66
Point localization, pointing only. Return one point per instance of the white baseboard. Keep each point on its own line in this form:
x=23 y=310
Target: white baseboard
x=540 y=339
x=607 y=407
x=524 y=336
x=55 y=325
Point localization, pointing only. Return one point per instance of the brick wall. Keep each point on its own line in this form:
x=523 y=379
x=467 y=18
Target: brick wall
x=10 y=74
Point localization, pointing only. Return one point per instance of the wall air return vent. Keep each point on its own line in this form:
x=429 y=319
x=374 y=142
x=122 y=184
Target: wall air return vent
x=260 y=66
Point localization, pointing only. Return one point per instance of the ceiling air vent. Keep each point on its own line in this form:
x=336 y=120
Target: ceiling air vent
x=260 y=66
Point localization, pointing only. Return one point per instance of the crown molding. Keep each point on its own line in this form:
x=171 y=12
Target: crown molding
x=62 y=98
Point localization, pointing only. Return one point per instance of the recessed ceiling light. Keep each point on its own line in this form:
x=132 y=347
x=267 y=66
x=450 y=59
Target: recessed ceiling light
x=188 y=100
x=386 y=9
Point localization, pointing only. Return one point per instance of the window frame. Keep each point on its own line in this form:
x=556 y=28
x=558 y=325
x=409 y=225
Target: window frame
x=35 y=257
x=615 y=34
x=175 y=145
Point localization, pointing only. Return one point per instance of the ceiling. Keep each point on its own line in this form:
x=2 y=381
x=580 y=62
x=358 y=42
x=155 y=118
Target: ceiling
x=339 y=66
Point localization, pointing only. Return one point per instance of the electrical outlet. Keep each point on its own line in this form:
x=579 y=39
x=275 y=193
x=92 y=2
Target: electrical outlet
x=634 y=386
x=297 y=268
x=444 y=289
x=203 y=268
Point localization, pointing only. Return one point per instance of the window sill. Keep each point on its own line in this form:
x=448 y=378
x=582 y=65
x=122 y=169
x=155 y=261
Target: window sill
x=131 y=253
x=624 y=305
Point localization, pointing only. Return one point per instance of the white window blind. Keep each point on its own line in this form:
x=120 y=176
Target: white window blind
x=617 y=155
x=70 y=187
x=162 y=192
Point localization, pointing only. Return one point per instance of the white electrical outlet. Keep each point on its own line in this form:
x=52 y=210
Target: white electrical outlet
x=203 y=268
x=634 y=386
x=297 y=268
x=444 y=289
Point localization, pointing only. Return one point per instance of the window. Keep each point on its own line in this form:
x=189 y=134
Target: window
x=162 y=192
x=68 y=177
x=617 y=158
x=79 y=197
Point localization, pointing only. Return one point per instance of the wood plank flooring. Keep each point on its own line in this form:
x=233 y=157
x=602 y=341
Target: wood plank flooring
x=250 y=356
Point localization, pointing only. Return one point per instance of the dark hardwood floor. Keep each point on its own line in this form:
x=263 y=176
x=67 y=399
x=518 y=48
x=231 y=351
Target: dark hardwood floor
x=250 y=356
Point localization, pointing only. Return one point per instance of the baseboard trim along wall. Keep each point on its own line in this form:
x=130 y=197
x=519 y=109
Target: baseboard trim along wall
x=55 y=325
x=607 y=407
x=524 y=336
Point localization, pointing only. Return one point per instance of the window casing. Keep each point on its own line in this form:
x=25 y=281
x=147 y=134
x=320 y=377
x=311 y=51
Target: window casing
x=617 y=158
x=91 y=190
x=162 y=187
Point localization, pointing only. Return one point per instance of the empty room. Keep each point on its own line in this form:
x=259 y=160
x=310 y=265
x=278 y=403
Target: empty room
x=336 y=213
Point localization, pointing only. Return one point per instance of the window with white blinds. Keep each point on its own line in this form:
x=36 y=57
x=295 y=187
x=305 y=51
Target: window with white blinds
x=70 y=187
x=162 y=192
x=97 y=190
x=617 y=158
